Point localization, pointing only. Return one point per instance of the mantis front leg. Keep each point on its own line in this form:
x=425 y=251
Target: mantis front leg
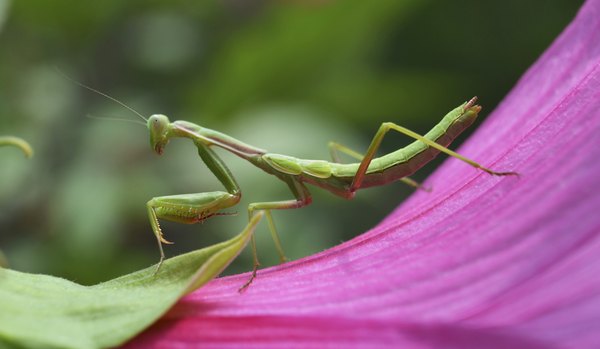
x=194 y=208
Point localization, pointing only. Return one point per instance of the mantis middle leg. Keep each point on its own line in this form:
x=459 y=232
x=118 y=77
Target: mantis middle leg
x=303 y=198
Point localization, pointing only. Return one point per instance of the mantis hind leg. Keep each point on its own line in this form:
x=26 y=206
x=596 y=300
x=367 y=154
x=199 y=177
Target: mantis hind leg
x=387 y=126
x=335 y=147
x=303 y=198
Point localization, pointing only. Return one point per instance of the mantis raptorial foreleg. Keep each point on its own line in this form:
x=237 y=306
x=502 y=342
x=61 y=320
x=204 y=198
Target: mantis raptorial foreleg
x=376 y=142
x=335 y=147
x=193 y=208
x=186 y=208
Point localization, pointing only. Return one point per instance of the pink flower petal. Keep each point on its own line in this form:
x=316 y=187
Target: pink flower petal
x=480 y=262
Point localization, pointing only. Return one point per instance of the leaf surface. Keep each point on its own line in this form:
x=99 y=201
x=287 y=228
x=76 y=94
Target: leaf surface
x=50 y=312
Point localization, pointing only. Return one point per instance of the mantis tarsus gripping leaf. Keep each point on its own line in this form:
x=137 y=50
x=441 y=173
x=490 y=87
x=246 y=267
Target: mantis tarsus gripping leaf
x=340 y=179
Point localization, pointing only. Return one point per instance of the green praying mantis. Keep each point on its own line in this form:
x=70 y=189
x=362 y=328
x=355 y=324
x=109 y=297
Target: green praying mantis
x=341 y=179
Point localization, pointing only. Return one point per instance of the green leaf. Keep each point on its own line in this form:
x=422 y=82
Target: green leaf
x=41 y=311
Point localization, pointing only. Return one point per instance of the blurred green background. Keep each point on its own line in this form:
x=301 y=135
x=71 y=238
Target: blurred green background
x=287 y=76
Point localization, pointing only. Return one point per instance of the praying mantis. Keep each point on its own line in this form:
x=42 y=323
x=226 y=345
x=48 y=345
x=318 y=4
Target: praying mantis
x=338 y=178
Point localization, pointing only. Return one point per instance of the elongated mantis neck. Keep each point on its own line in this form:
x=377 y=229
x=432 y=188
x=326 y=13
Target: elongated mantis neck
x=211 y=137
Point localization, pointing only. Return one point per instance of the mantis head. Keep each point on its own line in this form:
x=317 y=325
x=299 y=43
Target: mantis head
x=158 y=125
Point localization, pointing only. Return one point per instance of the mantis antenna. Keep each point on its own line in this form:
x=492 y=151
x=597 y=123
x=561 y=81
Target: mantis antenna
x=115 y=119
x=102 y=94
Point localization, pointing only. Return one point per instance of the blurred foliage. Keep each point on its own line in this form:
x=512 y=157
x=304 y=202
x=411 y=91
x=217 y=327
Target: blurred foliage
x=287 y=76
